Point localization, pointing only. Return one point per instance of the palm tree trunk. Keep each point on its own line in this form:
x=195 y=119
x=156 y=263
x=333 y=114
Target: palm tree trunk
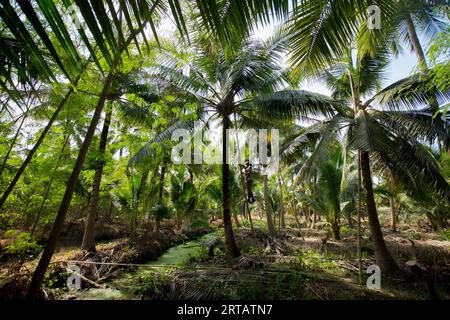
x=231 y=249
x=383 y=257
x=236 y=220
x=282 y=218
x=268 y=208
x=47 y=254
x=160 y=196
x=161 y=184
x=358 y=230
x=289 y=199
x=110 y=211
x=415 y=43
x=418 y=50
x=247 y=212
x=179 y=220
x=306 y=211
x=88 y=243
x=313 y=224
x=335 y=226
x=393 y=214
x=134 y=212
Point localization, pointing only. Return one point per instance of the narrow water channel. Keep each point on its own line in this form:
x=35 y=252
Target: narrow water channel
x=124 y=287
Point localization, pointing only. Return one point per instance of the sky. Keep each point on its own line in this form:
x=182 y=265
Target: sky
x=398 y=69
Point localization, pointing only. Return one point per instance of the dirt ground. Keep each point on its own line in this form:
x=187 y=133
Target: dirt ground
x=299 y=264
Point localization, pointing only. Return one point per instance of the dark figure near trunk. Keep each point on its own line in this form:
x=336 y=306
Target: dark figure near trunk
x=247 y=171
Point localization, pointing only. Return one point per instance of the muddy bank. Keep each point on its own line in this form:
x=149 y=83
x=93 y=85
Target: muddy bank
x=129 y=284
x=147 y=247
x=299 y=265
x=72 y=233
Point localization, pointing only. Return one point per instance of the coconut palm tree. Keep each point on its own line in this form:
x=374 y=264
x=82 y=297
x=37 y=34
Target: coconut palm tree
x=248 y=83
x=28 y=51
x=112 y=30
x=336 y=192
x=388 y=138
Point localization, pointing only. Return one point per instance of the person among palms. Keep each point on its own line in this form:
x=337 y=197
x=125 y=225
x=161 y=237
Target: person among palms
x=247 y=172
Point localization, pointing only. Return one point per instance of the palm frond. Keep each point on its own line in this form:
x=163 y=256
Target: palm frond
x=409 y=93
x=322 y=30
x=292 y=104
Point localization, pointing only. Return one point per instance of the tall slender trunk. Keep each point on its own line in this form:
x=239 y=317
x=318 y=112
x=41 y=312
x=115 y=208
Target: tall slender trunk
x=306 y=211
x=160 y=196
x=231 y=248
x=236 y=220
x=358 y=230
x=415 y=43
x=289 y=198
x=38 y=143
x=88 y=243
x=383 y=257
x=268 y=208
x=313 y=224
x=47 y=254
x=393 y=214
x=247 y=212
x=282 y=218
x=110 y=210
x=245 y=207
x=162 y=175
x=418 y=50
x=335 y=226
x=242 y=180
x=135 y=206
x=191 y=175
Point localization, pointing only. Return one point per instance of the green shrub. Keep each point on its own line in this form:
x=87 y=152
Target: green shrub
x=161 y=212
x=254 y=251
x=347 y=231
x=23 y=246
x=56 y=277
x=152 y=284
x=414 y=235
x=7 y=220
x=199 y=223
x=444 y=235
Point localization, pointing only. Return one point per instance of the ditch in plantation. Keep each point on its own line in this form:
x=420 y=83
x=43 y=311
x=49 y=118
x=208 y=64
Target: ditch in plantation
x=298 y=264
